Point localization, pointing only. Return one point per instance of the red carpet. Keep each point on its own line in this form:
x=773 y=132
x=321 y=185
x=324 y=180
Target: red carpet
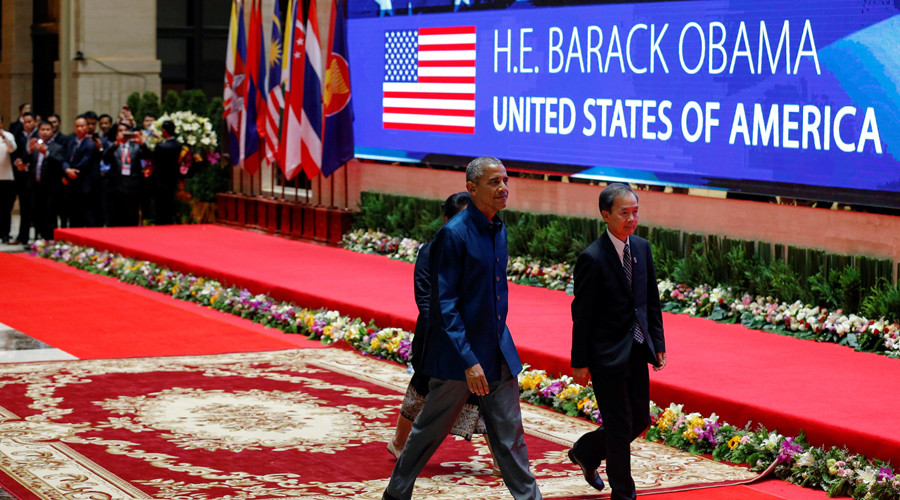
x=283 y=424
x=92 y=316
x=839 y=397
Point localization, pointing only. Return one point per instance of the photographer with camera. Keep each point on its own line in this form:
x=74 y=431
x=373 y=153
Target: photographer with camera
x=130 y=164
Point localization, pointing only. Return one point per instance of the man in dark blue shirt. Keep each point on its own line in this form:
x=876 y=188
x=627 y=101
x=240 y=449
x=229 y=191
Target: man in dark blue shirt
x=469 y=349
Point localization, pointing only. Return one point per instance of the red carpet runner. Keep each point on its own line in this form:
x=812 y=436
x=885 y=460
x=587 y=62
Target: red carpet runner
x=91 y=316
x=284 y=424
x=835 y=395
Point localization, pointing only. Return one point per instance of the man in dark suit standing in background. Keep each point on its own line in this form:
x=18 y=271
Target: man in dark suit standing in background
x=166 y=171
x=617 y=329
x=45 y=178
x=82 y=160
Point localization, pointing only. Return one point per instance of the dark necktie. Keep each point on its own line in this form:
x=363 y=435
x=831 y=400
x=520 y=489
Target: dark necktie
x=626 y=263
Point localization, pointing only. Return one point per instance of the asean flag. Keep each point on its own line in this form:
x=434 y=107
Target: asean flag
x=429 y=79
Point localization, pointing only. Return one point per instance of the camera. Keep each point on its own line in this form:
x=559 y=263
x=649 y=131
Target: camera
x=128 y=135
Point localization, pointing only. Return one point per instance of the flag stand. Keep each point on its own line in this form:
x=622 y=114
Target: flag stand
x=346 y=188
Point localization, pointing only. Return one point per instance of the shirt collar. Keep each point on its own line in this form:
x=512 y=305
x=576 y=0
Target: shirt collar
x=617 y=243
x=481 y=221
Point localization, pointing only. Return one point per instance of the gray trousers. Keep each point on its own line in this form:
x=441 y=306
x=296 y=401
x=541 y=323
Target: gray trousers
x=502 y=417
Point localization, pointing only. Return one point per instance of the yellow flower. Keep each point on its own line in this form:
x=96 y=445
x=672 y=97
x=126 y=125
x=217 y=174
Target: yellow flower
x=376 y=342
x=734 y=442
x=692 y=427
x=532 y=380
x=327 y=331
x=665 y=420
x=570 y=392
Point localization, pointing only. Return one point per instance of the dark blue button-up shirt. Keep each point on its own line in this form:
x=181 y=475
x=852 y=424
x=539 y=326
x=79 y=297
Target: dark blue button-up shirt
x=468 y=285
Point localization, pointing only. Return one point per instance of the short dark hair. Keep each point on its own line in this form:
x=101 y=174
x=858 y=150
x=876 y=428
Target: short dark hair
x=123 y=124
x=168 y=126
x=104 y=115
x=611 y=192
x=44 y=122
x=29 y=113
x=89 y=115
x=54 y=115
x=475 y=168
x=151 y=115
x=22 y=106
x=455 y=203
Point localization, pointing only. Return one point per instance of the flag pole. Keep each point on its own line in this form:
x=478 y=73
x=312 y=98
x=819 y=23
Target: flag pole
x=272 y=178
x=346 y=187
x=331 y=183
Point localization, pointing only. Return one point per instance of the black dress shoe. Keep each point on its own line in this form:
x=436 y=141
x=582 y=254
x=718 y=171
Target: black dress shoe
x=590 y=474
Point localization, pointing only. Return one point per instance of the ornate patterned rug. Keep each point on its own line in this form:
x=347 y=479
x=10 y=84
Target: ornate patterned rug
x=284 y=424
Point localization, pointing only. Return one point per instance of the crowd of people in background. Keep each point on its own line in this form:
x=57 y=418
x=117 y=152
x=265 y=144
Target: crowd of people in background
x=102 y=174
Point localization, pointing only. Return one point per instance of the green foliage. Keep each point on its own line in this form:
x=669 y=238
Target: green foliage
x=786 y=284
x=695 y=267
x=134 y=104
x=195 y=100
x=149 y=105
x=883 y=300
x=208 y=181
x=172 y=102
x=754 y=267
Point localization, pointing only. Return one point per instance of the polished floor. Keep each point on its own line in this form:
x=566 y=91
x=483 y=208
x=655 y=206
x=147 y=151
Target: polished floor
x=16 y=347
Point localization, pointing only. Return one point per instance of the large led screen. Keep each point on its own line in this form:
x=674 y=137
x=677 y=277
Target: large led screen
x=778 y=97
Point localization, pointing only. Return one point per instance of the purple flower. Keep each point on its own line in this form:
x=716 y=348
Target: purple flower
x=552 y=389
x=709 y=432
x=885 y=474
x=405 y=349
x=788 y=450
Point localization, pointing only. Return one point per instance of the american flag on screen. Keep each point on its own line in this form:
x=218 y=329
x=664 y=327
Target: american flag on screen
x=429 y=79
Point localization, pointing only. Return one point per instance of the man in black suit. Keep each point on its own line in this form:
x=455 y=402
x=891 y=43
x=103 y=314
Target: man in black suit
x=45 y=178
x=24 y=136
x=17 y=125
x=166 y=171
x=617 y=329
x=81 y=162
x=128 y=167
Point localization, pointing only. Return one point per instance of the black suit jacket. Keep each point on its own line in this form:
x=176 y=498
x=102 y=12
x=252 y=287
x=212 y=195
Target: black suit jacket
x=83 y=157
x=166 y=168
x=51 y=168
x=605 y=308
x=422 y=284
x=119 y=182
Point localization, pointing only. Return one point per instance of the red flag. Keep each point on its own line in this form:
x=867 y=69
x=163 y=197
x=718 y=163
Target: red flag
x=234 y=81
x=289 y=153
x=311 y=120
x=252 y=94
x=271 y=119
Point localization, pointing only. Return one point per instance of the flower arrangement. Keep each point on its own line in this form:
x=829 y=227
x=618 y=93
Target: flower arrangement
x=192 y=130
x=794 y=319
x=834 y=470
x=526 y=271
x=722 y=304
x=327 y=326
x=520 y=270
x=561 y=394
x=377 y=242
x=837 y=471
